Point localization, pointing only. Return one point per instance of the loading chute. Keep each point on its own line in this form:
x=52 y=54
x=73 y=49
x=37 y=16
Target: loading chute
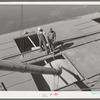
x=24 y=67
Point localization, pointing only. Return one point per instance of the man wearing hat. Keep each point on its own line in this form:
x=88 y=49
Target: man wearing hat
x=51 y=38
x=42 y=39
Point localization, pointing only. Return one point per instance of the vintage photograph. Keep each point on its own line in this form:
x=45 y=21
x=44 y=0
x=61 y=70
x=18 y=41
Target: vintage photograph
x=49 y=47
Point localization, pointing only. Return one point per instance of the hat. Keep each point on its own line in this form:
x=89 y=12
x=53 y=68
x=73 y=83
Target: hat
x=39 y=28
x=50 y=28
x=25 y=32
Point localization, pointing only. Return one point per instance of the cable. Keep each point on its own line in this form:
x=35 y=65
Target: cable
x=21 y=35
x=55 y=75
x=19 y=83
x=6 y=74
x=57 y=81
x=54 y=82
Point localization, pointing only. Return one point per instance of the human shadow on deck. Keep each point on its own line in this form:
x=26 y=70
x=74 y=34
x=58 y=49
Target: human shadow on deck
x=61 y=47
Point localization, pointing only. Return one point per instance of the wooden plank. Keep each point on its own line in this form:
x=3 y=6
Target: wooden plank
x=86 y=58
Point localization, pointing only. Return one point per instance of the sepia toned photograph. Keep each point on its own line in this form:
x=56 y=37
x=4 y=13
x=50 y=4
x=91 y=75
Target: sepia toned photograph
x=49 y=47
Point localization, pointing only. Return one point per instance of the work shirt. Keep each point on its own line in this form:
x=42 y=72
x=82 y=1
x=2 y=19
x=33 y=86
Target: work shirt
x=41 y=36
x=52 y=36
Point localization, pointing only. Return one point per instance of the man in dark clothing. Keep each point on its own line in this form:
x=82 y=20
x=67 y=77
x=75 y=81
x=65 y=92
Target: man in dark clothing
x=51 y=38
x=42 y=39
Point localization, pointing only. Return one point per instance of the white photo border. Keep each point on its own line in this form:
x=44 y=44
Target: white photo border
x=45 y=94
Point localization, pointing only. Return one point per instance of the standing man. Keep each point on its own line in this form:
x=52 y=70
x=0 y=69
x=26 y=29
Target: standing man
x=42 y=39
x=51 y=38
